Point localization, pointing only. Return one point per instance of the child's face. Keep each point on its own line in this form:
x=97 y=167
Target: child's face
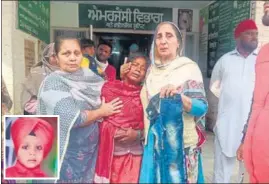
x=31 y=152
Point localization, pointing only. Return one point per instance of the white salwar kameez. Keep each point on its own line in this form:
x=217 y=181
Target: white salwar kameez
x=232 y=81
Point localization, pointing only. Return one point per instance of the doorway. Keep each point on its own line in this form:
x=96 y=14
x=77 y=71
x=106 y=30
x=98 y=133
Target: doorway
x=121 y=43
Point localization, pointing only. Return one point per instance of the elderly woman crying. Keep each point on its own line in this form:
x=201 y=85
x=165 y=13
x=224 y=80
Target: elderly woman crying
x=174 y=104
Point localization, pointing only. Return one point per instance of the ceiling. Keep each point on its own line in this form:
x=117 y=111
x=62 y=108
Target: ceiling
x=164 y=4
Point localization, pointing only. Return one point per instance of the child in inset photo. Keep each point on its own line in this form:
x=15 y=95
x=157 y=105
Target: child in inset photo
x=33 y=140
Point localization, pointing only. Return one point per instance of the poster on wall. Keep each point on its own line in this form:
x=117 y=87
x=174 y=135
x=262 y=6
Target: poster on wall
x=29 y=55
x=185 y=19
x=41 y=47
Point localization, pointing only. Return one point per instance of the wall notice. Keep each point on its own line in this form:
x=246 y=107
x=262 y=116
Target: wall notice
x=222 y=19
x=41 y=47
x=29 y=55
x=34 y=18
x=185 y=19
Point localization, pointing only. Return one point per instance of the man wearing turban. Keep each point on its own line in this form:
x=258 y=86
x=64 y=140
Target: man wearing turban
x=232 y=82
x=33 y=139
x=254 y=149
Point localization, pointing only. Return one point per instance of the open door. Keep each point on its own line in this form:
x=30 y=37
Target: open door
x=121 y=43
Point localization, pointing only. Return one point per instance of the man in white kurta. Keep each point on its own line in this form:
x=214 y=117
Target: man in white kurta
x=232 y=82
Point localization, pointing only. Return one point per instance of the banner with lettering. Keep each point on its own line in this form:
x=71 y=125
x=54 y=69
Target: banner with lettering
x=34 y=19
x=122 y=17
x=223 y=18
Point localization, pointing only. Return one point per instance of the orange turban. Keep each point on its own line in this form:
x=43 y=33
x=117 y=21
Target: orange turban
x=41 y=128
x=244 y=26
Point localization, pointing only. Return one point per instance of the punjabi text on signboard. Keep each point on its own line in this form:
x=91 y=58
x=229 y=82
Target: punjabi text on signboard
x=123 y=17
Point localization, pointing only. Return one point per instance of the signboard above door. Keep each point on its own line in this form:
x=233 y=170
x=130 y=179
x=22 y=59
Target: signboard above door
x=122 y=17
x=34 y=18
x=223 y=18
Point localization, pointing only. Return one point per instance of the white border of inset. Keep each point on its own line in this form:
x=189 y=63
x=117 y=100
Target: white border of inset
x=58 y=147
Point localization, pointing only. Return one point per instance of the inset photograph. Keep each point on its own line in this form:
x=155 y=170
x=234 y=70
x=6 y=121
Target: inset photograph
x=31 y=147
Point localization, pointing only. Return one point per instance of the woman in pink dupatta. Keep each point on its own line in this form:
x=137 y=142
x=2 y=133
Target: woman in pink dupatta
x=254 y=149
x=120 y=148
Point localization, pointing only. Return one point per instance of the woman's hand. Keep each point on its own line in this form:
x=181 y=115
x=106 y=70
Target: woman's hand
x=126 y=136
x=187 y=103
x=124 y=69
x=113 y=107
x=168 y=90
x=105 y=110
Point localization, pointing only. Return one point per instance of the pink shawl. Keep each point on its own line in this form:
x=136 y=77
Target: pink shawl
x=256 y=146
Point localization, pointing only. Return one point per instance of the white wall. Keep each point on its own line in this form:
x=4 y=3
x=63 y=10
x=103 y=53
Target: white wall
x=7 y=66
x=263 y=30
x=64 y=14
x=13 y=62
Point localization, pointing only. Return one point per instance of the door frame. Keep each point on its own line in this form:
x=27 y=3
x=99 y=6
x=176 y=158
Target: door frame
x=127 y=31
x=195 y=47
x=123 y=31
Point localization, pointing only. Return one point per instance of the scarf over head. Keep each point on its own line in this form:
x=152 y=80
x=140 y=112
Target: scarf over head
x=34 y=79
x=181 y=72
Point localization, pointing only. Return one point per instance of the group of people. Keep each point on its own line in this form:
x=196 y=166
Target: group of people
x=148 y=127
x=110 y=127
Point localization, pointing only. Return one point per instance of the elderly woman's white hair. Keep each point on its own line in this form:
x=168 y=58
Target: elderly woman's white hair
x=154 y=54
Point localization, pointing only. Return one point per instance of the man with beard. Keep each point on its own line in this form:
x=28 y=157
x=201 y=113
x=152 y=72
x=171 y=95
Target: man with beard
x=232 y=82
x=104 y=50
x=254 y=149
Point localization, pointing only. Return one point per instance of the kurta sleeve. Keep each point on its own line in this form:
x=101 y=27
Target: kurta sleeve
x=194 y=89
x=216 y=78
x=198 y=108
